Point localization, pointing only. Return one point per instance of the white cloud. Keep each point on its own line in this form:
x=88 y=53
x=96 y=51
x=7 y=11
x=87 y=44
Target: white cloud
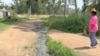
x=8 y=2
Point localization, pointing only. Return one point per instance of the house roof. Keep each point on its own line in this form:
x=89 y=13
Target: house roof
x=3 y=9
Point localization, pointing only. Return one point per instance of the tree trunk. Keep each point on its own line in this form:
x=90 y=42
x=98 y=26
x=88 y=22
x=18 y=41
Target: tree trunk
x=95 y=1
x=65 y=7
x=29 y=8
x=29 y=11
x=49 y=8
x=76 y=7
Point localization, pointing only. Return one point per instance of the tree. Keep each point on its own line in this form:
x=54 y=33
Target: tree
x=20 y=6
x=42 y=6
x=74 y=3
x=0 y=2
x=76 y=6
x=55 y=7
x=52 y=6
x=29 y=7
x=85 y=5
x=95 y=4
x=38 y=6
x=65 y=7
x=32 y=6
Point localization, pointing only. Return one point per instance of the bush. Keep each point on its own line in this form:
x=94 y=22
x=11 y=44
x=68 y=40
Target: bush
x=73 y=23
x=6 y=22
x=98 y=33
x=13 y=18
x=57 y=49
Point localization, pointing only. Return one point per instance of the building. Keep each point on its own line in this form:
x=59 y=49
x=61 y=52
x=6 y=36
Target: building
x=4 y=13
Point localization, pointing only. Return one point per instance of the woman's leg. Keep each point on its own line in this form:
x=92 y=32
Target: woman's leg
x=93 y=40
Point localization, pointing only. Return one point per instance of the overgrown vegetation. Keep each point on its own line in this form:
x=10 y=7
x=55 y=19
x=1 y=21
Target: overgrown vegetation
x=57 y=49
x=72 y=23
x=3 y=26
x=8 y=21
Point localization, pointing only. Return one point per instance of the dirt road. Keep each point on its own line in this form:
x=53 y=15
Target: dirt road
x=19 y=40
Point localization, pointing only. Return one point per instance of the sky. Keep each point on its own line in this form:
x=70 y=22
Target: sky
x=79 y=3
x=7 y=1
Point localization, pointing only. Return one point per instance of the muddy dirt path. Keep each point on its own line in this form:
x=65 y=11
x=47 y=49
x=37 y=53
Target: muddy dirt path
x=19 y=40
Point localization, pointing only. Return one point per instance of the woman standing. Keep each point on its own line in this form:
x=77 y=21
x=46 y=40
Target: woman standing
x=93 y=27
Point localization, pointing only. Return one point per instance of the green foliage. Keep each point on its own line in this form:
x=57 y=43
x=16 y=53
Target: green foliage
x=14 y=19
x=8 y=21
x=73 y=23
x=98 y=33
x=85 y=5
x=3 y=26
x=22 y=6
x=57 y=49
x=88 y=4
x=38 y=6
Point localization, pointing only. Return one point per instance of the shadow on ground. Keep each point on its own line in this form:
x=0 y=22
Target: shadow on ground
x=32 y=25
x=82 y=48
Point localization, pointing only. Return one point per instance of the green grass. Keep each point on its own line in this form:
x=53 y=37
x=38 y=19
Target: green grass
x=34 y=16
x=98 y=37
x=5 y=23
x=57 y=49
x=4 y=26
x=72 y=23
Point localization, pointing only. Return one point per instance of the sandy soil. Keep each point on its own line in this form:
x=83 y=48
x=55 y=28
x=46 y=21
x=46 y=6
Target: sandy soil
x=19 y=40
x=77 y=42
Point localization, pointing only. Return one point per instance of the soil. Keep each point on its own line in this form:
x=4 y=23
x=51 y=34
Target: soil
x=75 y=41
x=19 y=40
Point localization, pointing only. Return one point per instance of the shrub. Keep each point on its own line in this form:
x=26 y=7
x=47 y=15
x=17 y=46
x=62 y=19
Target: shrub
x=14 y=18
x=73 y=23
x=6 y=22
x=98 y=33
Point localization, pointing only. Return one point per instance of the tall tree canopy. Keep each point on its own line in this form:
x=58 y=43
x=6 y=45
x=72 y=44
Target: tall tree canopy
x=38 y=6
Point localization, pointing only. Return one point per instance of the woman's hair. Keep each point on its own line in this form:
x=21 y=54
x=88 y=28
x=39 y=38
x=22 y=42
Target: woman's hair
x=94 y=13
